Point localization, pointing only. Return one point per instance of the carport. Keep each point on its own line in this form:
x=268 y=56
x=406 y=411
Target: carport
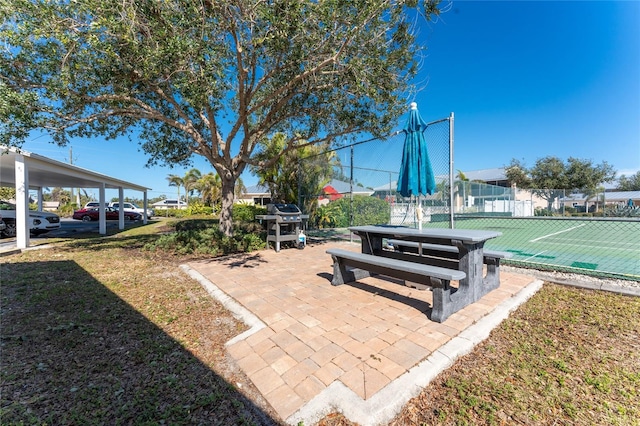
x=29 y=171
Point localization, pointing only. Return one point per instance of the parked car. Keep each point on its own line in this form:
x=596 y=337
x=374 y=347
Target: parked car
x=92 y=204
x=170 y=204
x=2 y=225
x=130 y=207
x=39 y=222
x=91 y=213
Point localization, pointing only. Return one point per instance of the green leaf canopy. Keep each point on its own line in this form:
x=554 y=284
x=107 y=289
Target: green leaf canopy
x=211 y=78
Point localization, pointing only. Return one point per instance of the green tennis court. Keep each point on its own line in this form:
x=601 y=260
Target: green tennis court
x=603 y=247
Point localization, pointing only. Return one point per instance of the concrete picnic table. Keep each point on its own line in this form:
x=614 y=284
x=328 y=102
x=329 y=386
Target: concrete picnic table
x=468 y=258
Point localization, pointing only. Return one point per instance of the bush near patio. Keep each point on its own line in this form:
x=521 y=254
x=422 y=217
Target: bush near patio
x=247 y=212
x=202 y=237
x=366 y=211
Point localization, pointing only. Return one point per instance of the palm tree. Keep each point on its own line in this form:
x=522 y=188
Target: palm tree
x=462 y=184
x=209 y=186
x=189 y=182
x=240 y=188
x=177 y=181
x=589 y=193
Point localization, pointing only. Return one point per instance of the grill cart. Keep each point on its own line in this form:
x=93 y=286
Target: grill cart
x=283 y=223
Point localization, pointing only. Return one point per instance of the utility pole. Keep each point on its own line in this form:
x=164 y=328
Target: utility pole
x=72 y=189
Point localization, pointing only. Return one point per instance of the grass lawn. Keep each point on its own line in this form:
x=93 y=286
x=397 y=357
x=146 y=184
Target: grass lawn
x=99 y=331
x=568 y=356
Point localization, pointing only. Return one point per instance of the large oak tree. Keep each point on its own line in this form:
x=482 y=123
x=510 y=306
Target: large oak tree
x=205 y=77
x=631 y=183
x=551 y=177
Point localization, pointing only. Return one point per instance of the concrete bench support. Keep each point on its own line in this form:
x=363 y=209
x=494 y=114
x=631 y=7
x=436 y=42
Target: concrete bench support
x=491 y=258
x=351 y=266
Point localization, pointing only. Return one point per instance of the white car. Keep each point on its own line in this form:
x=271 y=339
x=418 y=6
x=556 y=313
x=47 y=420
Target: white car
x=130 y=207
x=39 y=221
x=170 y=204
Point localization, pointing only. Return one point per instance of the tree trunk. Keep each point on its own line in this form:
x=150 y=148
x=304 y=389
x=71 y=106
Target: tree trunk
x=226 y=218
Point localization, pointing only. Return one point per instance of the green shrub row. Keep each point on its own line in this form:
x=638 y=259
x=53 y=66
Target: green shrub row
x=202 y=237
x=366 y=211
x=247 y=212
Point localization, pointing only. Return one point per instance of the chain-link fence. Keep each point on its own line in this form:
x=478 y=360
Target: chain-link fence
x=362 y=187
x=550 y=229
x=594 y=246
x=560 y=230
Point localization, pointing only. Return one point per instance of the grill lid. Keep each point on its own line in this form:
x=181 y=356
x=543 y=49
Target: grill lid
x=280 y=208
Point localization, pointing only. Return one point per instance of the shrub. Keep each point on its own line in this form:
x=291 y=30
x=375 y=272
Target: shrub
x=66 y=210
x=194 y=224
x=246 y=212
x=202 y=237
x=622 y=211
x=327 y=216
x=366 y=211
x=370 y=211
x=197 y=208
x=252 y=242
x=542 y=212
x=177 y=213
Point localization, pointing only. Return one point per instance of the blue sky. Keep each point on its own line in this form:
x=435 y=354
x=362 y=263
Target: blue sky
x=525 y=80
x=531 y=79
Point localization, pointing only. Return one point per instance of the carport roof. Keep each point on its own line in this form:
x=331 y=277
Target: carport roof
x=46 y=172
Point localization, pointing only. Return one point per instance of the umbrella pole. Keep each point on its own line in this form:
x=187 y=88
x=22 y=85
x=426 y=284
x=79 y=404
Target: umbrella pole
x=419 y=217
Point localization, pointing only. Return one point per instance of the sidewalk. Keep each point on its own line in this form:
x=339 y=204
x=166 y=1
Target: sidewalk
x=363 y=349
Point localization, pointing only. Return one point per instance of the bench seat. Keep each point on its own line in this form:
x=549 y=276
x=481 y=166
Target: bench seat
x=435 y=277
x=412 y=246
x=447 y=256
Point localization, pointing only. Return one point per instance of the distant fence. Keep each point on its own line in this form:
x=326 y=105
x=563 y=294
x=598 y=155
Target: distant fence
x=371 y=170
x=604 y=247
x=549 y=229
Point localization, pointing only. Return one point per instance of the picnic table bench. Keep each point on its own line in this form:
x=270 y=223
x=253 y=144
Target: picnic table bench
x=447 y=256
x=423 y=275
x=461 y=260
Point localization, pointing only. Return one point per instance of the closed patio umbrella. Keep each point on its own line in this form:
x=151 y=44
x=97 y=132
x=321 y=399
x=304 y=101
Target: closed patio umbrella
x=416 y=175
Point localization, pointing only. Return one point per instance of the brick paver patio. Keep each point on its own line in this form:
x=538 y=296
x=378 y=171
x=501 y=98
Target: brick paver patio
x=364 y=335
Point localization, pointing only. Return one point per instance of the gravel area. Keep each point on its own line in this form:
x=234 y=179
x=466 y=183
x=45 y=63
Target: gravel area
x=631 y=287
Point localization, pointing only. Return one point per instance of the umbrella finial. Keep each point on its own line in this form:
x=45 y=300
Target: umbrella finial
x=413 y=105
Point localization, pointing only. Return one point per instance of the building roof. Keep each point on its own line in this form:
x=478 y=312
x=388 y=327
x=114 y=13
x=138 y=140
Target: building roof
x=46 y=172
x=256 y=190
x=608 y=196
x=341 y=187
x=487 y=175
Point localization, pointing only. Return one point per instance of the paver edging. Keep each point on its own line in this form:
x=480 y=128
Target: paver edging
x=238 y=311
x=387 y=402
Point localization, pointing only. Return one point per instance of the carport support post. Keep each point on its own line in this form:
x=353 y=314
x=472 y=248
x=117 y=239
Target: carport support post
x=22 y=202
x=144 y=204
x=40 y=203
x=121 y=209
x=103 y=214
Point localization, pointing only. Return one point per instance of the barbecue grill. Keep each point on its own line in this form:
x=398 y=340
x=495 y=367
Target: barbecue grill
x=283 y=223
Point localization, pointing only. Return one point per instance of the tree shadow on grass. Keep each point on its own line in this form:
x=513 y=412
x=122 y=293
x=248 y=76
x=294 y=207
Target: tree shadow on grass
x=73 y=352
x=97 y=243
